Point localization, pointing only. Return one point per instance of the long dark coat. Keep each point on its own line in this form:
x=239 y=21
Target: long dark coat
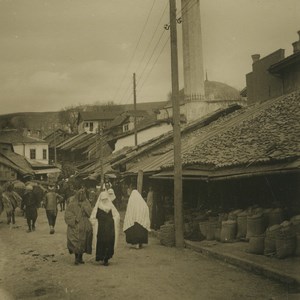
x=79 y=232
x=30 y=204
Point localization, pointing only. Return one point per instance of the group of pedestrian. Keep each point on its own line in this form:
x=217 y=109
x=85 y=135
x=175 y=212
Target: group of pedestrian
x=88 y=226
x=101 y=224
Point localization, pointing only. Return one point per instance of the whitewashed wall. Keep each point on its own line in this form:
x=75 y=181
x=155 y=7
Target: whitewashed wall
x=24 y=150
x=142 y=136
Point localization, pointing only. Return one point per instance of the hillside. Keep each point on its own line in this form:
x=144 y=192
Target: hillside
x=44 y=122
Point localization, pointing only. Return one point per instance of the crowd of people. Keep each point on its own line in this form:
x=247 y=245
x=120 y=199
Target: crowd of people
x=92 y=217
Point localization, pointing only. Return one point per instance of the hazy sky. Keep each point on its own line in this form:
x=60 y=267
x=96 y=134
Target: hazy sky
x=57 y=53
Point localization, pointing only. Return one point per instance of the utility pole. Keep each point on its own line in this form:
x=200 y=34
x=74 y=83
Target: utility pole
x=55 y=159
x=178 y=218
x=101 y=157
x=134 y=105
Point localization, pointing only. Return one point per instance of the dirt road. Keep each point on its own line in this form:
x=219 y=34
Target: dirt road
x=37 y=265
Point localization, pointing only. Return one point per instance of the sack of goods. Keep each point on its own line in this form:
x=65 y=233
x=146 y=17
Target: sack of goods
x=228 y=231
x=223 y=217
x=256 y=244
x=234 y=214
x=255 y=225
x=166 y=235
x=296 y=223
x=203 y=228
x=242 y=225
x=270 y=240
x=275 y=216
x=211 y=228
x=297 y=250
x=285 y=241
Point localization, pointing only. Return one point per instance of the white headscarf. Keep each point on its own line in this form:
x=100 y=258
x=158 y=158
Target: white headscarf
x=106 y=205
x=137 y=211
x=104 y=202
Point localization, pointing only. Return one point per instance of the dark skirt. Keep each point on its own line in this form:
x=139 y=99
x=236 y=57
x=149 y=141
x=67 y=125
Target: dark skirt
x=31 y=213
x=136 y=234
x=105 y=235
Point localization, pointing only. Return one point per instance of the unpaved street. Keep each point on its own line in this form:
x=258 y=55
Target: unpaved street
x=37 y=265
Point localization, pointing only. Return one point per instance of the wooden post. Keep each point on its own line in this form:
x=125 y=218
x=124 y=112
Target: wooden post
x=101 y=158
x=140 y=181
x=178 y=218
x=134 y=105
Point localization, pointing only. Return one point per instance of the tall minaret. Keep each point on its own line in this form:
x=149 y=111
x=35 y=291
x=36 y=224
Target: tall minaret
x=192 y=58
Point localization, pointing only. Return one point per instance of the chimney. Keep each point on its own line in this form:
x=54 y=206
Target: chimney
x=255 y=58
x=296 y=45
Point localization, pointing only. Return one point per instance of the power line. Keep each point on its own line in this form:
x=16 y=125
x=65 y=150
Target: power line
x=148 y=45
x=147 y=48
x=131 y=59
x=188 y=6
x=161 y=51
x=140 y=77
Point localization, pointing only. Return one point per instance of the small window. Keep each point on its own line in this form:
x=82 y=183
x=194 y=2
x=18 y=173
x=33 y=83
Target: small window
x=32 y=154
x=125 y=128
x=44 y=153
x=91 y=126
x=86 y=124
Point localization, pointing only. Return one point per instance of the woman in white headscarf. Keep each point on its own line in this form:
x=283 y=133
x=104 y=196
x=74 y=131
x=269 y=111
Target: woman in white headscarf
x=137 y=221
x=105 y=220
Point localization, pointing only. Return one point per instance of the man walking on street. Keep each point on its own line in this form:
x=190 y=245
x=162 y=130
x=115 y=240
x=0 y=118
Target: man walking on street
x=30 y=204
x=51 y=201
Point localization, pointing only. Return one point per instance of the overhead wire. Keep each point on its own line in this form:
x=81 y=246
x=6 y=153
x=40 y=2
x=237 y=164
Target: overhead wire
x=152 y=37
x=134 y=52
x=141 y=83
x=161 y=51
x=147 y=76
x=145 y=52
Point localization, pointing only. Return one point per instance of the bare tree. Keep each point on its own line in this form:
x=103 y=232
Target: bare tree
x=68 y=116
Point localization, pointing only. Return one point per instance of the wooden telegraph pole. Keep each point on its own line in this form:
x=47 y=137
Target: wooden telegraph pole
x=101 y=157
x=176 y=130
x=55 y=158
x=134 y=105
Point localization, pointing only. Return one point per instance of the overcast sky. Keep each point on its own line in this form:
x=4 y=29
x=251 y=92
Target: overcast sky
x=58 y=53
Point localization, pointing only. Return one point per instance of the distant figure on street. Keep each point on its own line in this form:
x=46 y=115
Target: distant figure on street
x=51 y=201
x=105 y=219
x=150 y=204
x=79 y=232
x=10 y=200
x=137 y=221
x=30 y=205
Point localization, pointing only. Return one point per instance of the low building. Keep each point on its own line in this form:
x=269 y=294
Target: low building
x=91 y=122
x=33 y=149
x=13 y=166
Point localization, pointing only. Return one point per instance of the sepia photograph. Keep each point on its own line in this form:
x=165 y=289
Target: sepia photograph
x=149 y=149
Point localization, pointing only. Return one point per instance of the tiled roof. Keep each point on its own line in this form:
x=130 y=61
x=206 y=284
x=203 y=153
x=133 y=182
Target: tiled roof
x=263 y=133
x=15 y=137
x=125 y=115
x=145 y=123
x=15 y=161
x=67 y=144
x=164 y=143
x=57 y=137
x=268 y=132
x=97 y=115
